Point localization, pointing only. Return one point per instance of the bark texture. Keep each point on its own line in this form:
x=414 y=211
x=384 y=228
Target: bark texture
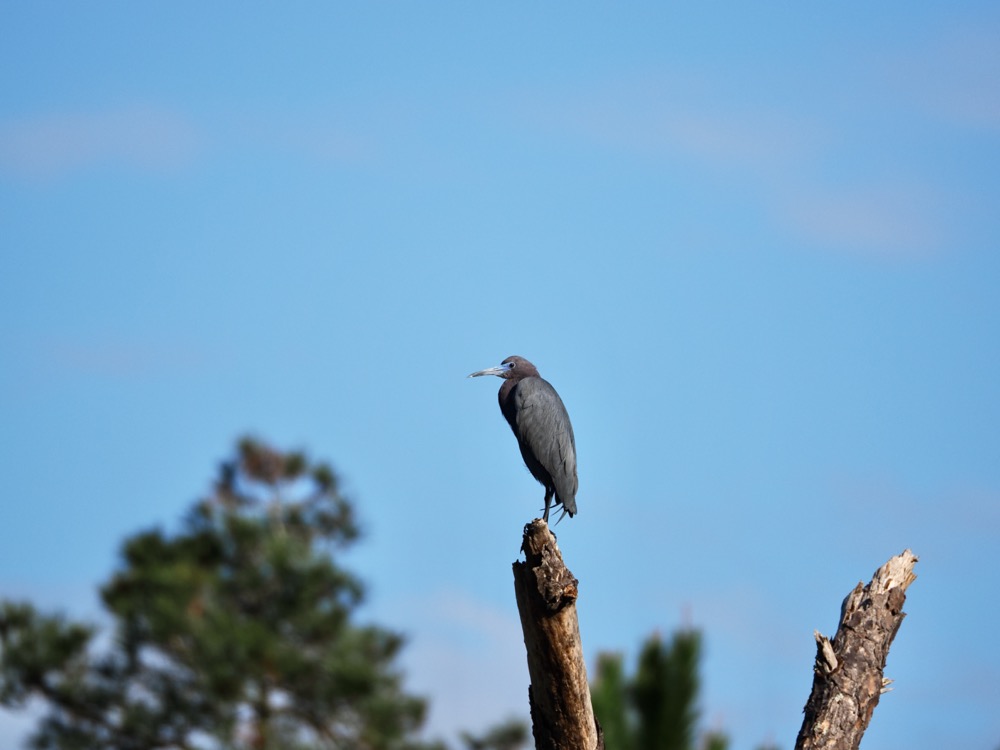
x=848 y=675
x=562 y=716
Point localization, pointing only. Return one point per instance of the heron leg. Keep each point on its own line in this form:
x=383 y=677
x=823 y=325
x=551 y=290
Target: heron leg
x=548 y=501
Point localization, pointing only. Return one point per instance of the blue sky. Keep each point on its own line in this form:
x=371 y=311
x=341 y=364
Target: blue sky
x=755 y=248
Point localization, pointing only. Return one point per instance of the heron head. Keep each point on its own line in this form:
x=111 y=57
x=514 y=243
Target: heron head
x=512 y=367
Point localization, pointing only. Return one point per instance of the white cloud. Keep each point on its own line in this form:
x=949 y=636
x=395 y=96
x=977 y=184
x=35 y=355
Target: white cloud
x=955 y=77
x=155 y=139
x=146 y=138
x=888 y=221
x=119 y=357
x=468 y=658
x=318 y=136
x=672 y=119
x=778 y=156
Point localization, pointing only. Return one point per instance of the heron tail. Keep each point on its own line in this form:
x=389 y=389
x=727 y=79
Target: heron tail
x=568 y=507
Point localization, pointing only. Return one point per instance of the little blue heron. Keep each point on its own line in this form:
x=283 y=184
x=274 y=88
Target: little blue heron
x=541 y=425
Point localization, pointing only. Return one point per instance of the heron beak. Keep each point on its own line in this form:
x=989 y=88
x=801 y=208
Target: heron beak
x=499 y=371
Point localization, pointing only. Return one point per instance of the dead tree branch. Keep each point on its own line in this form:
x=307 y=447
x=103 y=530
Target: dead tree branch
x=848 y=679
x=562 y=716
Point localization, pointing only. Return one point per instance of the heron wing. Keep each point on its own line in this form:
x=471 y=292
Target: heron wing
x=544 y=430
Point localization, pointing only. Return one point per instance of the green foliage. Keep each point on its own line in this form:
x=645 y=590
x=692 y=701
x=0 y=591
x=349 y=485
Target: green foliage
x=665 y=691
x=656 y=708
x=236 y=632
x=508 y=735
x=715 y=740
x=609 y=696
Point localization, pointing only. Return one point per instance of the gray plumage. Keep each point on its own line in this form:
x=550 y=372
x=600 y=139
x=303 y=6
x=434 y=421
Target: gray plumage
x=541 y=425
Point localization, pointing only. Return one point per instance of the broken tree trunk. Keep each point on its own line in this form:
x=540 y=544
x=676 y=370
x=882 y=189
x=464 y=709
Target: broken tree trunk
x=562 y=716
x=848 y=677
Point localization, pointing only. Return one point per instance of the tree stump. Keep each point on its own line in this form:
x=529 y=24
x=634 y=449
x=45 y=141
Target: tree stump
x=562 y=716
x=848 y=675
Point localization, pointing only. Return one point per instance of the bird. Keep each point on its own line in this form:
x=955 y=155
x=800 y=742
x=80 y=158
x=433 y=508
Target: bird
x=540 y=422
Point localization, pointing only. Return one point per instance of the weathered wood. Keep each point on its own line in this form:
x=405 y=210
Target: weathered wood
x=848 y=675
x=562 y=716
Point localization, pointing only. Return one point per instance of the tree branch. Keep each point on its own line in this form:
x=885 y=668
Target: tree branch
x=562 y=716
x=848 y=675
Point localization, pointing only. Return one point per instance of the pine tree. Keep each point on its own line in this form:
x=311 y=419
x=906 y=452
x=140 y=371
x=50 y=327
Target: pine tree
x=657 y=707
x=610 y=697
x=665 y=692
x=511 y=734
x=236 y=632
